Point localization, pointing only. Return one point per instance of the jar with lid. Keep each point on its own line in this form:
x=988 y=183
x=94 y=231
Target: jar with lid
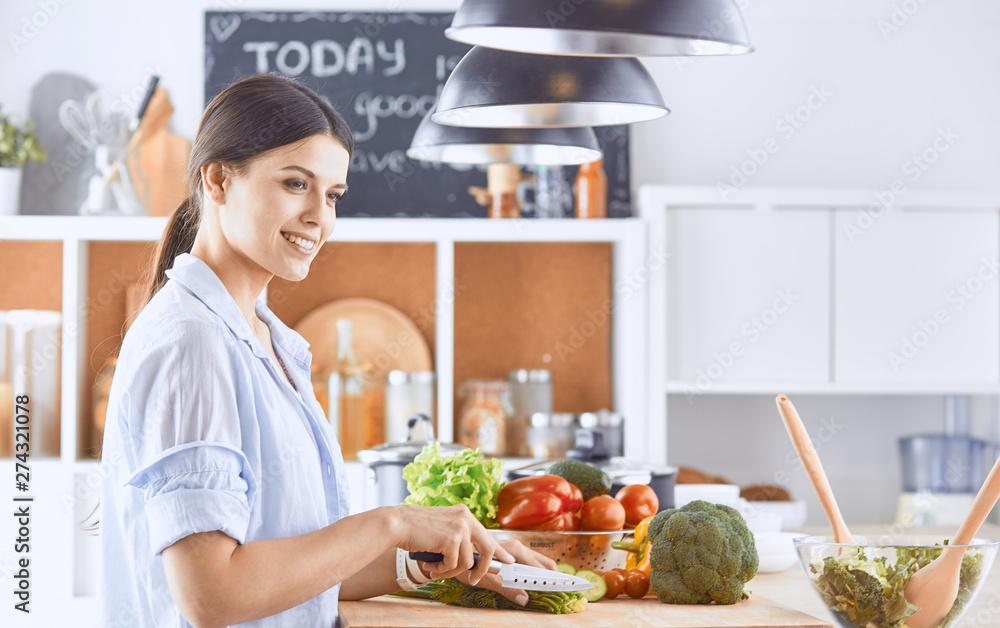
x=407 y=394
x=550 y=435
x=531 y=391
x=482 y=423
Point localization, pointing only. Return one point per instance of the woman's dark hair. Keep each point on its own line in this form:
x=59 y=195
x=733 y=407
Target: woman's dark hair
x=250 y=117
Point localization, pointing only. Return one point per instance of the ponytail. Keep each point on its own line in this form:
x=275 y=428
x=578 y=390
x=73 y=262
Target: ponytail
x=178 y=237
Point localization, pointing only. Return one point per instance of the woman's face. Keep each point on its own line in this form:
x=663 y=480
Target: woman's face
x=280 y=209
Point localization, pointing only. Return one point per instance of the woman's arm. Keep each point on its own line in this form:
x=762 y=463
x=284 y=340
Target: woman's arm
x=216 y=582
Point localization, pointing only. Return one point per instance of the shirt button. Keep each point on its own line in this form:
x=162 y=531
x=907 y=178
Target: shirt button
x=329 y=470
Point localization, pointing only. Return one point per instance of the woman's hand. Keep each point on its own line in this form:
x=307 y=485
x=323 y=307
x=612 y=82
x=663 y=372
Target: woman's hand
x=452 y=531
x=522 y=555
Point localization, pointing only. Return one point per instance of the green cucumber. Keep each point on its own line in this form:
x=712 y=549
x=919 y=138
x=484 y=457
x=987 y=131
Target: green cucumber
x=566 y=568
x=600 y=586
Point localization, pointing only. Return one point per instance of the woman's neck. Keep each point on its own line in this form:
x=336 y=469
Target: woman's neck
x=244 y=284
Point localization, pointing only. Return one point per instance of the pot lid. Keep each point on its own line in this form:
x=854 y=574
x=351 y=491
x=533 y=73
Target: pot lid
x=406 y=451
x=403 y=452
x=621 y=469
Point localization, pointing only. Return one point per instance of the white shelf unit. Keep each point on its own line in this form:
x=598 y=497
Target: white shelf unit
x=55 y=588
x=656 y=202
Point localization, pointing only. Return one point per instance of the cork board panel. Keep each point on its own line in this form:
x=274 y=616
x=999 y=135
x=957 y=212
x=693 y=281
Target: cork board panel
x=536 y=305
x=114 y=268
x=31 y=274
x=401 y=275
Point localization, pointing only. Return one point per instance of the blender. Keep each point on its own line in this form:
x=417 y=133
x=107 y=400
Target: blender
x=941 y=473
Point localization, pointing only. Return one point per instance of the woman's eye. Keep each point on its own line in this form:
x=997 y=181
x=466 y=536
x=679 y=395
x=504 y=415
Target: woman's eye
x=334 y=196
x=296 y=184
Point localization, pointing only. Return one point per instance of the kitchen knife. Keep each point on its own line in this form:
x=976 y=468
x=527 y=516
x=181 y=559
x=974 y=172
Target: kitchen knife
x=516 y=576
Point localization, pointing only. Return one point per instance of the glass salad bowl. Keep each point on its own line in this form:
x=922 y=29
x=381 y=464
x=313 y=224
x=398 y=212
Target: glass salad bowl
x=862 y=584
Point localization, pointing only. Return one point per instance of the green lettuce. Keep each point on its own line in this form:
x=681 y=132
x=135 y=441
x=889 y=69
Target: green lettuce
x=863 y=591
x=462 y=478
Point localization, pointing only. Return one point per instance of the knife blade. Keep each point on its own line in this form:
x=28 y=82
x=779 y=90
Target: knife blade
x=517 y=576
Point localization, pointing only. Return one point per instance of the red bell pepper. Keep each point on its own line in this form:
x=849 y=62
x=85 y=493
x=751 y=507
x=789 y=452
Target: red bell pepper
x=538 y=503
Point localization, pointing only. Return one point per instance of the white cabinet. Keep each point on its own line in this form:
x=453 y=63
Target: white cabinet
x=917 y=297
x=748 y=296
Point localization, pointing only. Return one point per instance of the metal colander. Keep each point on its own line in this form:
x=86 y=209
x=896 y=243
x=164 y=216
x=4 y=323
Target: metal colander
x=583 y=550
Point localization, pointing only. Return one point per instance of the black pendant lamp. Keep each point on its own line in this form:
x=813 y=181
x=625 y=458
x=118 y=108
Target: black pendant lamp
x=604 y=27
x=463 y=145
x=502 y=89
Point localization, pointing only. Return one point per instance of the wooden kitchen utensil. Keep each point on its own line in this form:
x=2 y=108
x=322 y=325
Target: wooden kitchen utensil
x=935 y=587
x=814 y=469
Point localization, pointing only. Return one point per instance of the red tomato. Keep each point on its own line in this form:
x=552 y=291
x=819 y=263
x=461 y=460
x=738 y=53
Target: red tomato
x=540 y=484
x=615 y=582
x=576 y=499
x=603 y=512
x=531 y=511
x=640 y=501
x=636 y=583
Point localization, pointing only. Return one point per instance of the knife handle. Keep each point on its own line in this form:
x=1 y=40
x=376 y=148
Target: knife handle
x=435 y=557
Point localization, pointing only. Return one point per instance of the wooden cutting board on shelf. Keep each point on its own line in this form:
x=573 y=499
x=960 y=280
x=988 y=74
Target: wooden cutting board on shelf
x=396 y=612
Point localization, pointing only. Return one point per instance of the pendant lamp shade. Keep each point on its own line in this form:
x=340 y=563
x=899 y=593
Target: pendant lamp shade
x=463 y=145
x=643 y=28
x=502 y=89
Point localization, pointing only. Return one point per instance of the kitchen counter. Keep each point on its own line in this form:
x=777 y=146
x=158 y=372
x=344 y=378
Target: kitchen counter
x=780 y=599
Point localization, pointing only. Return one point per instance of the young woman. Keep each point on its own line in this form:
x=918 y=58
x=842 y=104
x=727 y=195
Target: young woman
x=225 y=499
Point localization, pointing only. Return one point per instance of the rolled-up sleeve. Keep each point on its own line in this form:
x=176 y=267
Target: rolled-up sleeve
x=196 y=487
x=184 y=437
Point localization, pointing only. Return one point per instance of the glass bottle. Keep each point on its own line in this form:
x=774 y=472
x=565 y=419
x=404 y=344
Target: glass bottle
x=321 y=388
x=347 y=415
x=501 y=183
x=592 y=191
x=101 y=392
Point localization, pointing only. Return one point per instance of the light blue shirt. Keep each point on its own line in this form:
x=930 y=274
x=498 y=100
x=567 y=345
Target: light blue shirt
x=205 y=433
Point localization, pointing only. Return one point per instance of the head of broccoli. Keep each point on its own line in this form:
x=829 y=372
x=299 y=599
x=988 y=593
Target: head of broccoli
x=701 y=553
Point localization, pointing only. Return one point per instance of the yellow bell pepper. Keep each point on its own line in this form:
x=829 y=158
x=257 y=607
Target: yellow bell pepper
x=638 y=550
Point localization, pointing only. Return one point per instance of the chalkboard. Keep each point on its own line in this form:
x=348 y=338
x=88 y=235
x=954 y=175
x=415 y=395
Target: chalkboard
x=383 y=72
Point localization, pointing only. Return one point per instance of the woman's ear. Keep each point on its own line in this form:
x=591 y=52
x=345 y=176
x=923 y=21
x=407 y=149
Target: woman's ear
x=214 y=178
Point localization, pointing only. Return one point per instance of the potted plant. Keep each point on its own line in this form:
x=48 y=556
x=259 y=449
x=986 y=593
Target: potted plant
x=18 y=145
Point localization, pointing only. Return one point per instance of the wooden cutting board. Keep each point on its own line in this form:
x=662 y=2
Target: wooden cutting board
x=396 y=612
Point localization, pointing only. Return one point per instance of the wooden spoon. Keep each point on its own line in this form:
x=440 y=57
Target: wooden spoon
x=810 y=460
x=935 y=587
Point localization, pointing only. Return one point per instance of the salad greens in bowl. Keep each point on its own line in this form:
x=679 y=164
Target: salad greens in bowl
x=862 y=584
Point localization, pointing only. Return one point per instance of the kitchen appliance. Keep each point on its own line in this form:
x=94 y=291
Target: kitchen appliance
x=385 y=485
x=590 y=448
x=941 y=473
x=531 y=392
x=517 y=576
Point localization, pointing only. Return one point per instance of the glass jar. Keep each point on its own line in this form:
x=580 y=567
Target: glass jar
x=482 y=423
x=531 y=392
x=406 y=394
x=550 y=435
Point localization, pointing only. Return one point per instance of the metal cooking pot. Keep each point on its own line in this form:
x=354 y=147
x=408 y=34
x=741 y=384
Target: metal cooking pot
x=386 y=486
x=623 y=471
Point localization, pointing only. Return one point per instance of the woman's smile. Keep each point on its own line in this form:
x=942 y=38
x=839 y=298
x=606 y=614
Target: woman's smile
x=299 y=242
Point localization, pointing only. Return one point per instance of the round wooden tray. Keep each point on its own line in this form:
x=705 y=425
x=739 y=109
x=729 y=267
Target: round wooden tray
x=384 y=337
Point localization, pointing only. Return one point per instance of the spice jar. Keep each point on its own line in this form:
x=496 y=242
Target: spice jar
x=482 y=423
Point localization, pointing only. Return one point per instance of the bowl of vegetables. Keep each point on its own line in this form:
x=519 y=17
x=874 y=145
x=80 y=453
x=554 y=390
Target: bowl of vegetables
x=862 y=584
